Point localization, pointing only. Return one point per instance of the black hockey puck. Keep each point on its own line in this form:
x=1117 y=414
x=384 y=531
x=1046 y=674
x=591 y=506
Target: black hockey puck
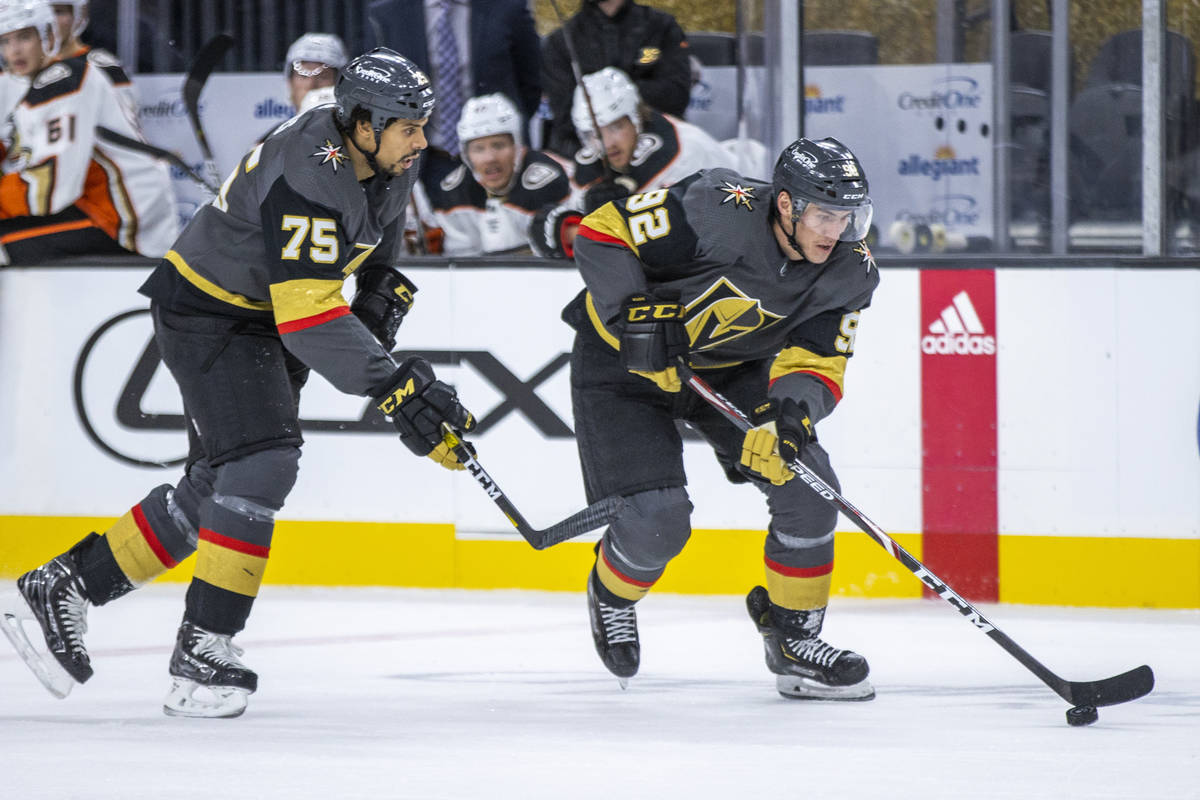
x=1082 y=715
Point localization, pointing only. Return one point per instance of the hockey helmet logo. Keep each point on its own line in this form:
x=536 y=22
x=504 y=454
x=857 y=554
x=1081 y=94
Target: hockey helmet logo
x=807 y=159
x=367 y=72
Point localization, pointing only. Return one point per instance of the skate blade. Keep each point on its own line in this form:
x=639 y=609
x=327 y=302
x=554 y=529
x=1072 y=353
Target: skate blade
x=796 y=687
x=215 y=702
x=623 y=683
x=46 y=669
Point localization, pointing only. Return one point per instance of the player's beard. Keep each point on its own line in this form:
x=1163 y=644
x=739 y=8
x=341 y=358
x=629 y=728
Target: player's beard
x=397 y=168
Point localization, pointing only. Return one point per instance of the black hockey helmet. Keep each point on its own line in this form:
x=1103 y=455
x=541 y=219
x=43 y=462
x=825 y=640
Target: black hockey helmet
x=387 y=85
x=824 y=172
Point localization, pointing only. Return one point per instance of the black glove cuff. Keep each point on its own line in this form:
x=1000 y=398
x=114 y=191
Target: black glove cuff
x=652 y=333
x=383 y=297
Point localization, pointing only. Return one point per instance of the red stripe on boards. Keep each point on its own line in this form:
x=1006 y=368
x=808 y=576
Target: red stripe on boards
x=960 y=541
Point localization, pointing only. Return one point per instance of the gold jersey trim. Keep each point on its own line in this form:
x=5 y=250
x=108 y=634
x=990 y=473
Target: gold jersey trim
x=212 y=289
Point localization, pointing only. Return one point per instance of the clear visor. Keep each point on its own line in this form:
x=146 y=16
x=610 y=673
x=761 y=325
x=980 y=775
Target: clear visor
x=838 y=222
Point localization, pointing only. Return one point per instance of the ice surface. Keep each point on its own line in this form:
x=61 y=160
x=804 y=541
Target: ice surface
x=454 y=694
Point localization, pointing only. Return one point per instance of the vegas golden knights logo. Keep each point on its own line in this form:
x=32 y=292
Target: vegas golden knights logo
x=723 y=313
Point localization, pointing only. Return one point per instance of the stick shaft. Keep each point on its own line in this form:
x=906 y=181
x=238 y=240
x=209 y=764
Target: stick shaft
x=1118 y=689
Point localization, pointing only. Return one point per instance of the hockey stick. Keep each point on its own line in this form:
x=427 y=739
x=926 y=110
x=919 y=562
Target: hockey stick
x=1105 y=692
x=598 y=514
x=202 y=66
x=609 y=170
x=121 y=140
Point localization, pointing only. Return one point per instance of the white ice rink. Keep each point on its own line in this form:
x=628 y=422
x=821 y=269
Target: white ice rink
x=451 y=694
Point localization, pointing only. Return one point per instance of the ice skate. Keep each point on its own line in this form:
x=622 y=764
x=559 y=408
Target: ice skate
x=54 y=597
x=805 y=666
x=207 y=679
x=614 y=630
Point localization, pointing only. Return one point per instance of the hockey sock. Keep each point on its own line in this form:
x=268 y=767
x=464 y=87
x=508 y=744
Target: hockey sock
x=623 y=589
x=798 y=588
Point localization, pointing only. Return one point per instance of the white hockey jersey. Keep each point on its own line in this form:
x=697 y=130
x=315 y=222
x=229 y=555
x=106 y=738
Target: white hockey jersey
x=667 y=150
x=476 y=223
x=54 y=159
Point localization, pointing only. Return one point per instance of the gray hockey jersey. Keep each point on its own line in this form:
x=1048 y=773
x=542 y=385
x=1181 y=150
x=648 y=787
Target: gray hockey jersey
x=290 y=224
x=708 y=239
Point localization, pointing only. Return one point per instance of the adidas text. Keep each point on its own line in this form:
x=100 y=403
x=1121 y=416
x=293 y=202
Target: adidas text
x=962 y=344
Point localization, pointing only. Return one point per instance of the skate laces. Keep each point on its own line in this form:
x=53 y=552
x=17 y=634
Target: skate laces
x=72 y=612
x=814 y=650
x=620 y=624
x=218 y=649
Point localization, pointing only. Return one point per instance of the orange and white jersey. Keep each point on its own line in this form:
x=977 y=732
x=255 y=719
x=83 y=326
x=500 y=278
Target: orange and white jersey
x=102 y=59
x=55 y=160
x=667 y=150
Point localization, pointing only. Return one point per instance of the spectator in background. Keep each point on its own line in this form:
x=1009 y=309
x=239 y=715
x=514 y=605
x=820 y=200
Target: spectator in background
x=313 y=62
x=65 y=191
x=469 y=48
x=485 y=205
x=644 y=43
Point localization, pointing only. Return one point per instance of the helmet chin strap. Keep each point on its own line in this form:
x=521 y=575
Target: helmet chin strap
x=790 y=236
x=369 y=156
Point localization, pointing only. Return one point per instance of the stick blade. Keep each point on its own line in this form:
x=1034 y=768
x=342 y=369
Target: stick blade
x=597 y=515
x=1112 y=691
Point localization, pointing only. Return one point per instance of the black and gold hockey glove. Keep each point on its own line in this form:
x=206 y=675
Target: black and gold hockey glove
x=782 y=431
x=652 y=337
x=382 y=299
x=418 y=405
x=552 y=232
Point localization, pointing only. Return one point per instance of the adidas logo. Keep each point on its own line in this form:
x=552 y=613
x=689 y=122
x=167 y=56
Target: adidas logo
x=958 y=331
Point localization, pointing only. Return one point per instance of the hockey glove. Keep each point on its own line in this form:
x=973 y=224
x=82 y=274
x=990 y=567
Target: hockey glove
x=782 y=430
x=418 y=405
x=603 y=192
x=552 y=232
x=652 y=337
x=382 y=299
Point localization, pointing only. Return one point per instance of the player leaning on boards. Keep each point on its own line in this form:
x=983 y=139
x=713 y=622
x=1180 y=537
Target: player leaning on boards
x=760 y=286
x=485 y=204
x=637 y=149
x=248 y=300
x=64 y=192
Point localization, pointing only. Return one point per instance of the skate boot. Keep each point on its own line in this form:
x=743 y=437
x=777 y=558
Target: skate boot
x=805 y=666
x=614 y=630
x=54 y=596
x=207 y=662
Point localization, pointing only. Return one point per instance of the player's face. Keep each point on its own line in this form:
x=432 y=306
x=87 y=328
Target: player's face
x=493 y=159
x=818 y=230
x=22 y=51
x=400 y=144
x=309 y=75
x=620 y=139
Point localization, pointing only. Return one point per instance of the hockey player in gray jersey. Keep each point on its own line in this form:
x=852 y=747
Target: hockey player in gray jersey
x=760 y=286
x=244 y=304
